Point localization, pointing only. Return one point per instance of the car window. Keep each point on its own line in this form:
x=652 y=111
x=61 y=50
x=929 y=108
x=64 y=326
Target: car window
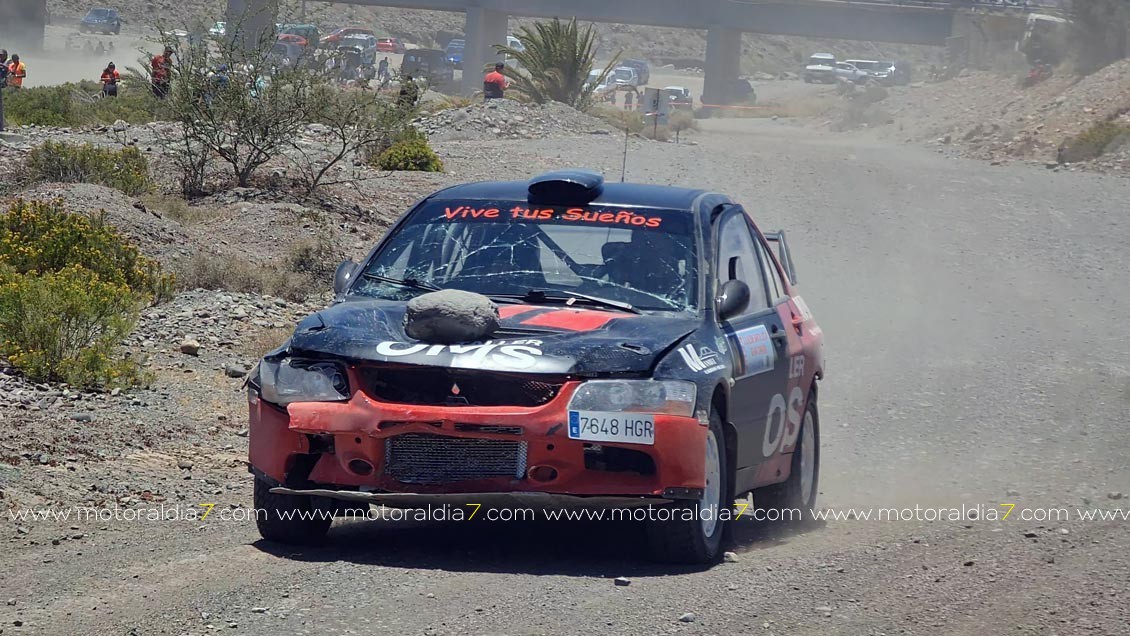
x=776 y=287
x=738 y=260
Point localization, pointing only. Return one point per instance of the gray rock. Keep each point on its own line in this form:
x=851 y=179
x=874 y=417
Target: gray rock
x=82 y=417
x=190 y=347
x=622 y=581
x=1115 y=495
x=729 y=557
x=233 y=370
x=687 y=618
x=259 y=610
x=451 y=316
x=184 y=464
x=119 y=126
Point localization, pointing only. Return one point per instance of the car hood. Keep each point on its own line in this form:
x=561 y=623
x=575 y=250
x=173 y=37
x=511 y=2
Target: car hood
x=540 y=339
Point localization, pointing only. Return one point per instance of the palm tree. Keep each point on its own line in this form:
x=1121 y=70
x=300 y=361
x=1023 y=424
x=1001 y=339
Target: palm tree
x=555 y=61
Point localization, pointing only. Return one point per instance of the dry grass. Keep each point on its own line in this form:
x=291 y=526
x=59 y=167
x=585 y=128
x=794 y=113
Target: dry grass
x=260 y=343
x=177 y=209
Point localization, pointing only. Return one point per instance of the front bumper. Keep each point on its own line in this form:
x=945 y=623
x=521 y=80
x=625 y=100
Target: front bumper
x=312 y=445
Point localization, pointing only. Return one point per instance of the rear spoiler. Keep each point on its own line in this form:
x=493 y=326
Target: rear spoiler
x=783 y=254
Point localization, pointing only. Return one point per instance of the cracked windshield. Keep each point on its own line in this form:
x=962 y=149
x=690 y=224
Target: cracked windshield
x=511 y=249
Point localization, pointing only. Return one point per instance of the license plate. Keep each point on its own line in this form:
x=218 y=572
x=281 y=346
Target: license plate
x=599 y=426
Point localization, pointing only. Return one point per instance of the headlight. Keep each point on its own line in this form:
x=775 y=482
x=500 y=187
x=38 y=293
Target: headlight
x=666 y=397
x=290 y=380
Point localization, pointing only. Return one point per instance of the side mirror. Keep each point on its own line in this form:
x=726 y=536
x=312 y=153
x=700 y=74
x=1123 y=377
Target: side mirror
x=343 y=276
x=733 y=300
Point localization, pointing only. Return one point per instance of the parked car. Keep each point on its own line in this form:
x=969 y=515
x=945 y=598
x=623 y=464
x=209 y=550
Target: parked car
x=643 y=70
x=307 y=32
x=390 y=45
x=679 y=97
x=363 y=46
x=428 y=64
x=624 y=76
x=601 y=87
x=885 y=72
x=101 y=20
x=515 y=43
x=648 y=347
x=219 y=29
x=335 y=38
x=821 y=69
x=850 y=73
x=454 y=52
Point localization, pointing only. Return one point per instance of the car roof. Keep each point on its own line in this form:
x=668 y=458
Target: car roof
x=625 y=194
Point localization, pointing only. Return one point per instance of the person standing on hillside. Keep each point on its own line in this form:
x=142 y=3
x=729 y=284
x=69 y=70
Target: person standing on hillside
x=17 y=71
x=109 y=79
x=161 y=73
x=495 y=83
x=3 y=83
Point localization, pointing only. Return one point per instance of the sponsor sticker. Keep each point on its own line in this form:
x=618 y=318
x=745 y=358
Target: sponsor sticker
x=756 y=350
x=701 y=359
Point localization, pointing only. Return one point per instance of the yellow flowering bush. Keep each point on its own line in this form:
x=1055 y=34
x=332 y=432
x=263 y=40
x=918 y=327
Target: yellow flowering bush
x=71 y=290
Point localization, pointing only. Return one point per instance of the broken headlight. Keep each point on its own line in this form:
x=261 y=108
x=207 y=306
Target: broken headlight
x=289 y=380
x=661 y=397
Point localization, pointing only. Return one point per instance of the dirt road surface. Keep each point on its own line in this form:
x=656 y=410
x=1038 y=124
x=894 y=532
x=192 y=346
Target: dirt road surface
x=975 y=321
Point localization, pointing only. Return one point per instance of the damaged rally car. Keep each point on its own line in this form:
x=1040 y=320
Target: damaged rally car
x=649 y=351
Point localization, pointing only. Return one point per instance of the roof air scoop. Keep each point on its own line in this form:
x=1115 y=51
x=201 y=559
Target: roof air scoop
x=566 y=187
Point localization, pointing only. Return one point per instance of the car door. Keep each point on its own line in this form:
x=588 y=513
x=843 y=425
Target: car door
x=754 y=341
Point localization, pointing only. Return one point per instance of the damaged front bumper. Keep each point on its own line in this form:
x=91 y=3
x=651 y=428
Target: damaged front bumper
x=405 y=455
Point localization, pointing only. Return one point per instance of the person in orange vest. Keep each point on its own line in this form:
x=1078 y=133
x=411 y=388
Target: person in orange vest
x=17 y=71
x=161 y=71
x=495 y=83
x=109 y=79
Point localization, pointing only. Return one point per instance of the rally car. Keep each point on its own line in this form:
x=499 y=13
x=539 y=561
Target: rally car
x=649 y=351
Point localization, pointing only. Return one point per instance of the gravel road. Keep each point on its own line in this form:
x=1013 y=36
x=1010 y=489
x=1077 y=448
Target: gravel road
x=975 y=321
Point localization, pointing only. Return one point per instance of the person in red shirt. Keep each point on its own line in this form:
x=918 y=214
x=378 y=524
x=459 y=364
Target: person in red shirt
x=495 y=83
x=109 y=79
x=161 y=70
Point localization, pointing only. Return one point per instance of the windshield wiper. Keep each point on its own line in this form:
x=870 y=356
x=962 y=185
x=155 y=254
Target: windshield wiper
x=543 y=295
x=410 y=283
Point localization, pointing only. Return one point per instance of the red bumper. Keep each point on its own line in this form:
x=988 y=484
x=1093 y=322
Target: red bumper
x=360 y=428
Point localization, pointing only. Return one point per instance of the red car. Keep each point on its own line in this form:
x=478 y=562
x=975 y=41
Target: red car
x=336 y=37
x=648 y=353
x=390 y=45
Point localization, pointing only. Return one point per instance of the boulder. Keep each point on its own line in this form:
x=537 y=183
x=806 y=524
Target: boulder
x=451 y=315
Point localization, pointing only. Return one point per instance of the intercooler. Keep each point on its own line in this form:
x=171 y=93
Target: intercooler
x=418 y=458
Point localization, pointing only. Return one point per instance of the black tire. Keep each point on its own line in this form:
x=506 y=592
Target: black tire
x=301 y=524
x=780 y=500
x=679 y=540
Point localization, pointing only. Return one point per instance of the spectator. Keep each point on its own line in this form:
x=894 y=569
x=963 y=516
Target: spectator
x=109 y=79
x=382 y=70
x=409 y=93
x=17 y=71
x=161 y=73
x=495 y=83
x=628 y=100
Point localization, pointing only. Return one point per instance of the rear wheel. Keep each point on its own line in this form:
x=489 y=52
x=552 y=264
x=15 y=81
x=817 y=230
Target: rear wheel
x=289 y=518
x=691 y=532
x=798 y=492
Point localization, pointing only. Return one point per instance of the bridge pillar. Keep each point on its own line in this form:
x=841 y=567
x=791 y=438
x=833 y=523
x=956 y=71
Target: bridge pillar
x=21 y=26
x=251 y=22
x=723 y=64
x=483 y=30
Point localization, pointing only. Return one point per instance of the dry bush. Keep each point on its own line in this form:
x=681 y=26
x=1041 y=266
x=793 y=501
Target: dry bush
x=178 y=209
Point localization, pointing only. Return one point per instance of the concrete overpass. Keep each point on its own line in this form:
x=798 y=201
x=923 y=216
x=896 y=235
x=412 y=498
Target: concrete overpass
x=926 y=22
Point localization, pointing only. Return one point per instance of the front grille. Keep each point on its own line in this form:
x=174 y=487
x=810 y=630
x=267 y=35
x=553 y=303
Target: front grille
x=434 y=386
x=416 y=458
x=489 y=428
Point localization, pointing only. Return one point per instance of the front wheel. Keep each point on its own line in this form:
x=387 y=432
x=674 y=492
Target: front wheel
x=691 y=532
x=795 y=498
x=293 y=519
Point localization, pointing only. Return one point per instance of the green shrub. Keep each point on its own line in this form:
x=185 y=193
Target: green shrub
x=71 y=289
x=125 y=169
x=410 y=154
x=67 y=326
x=1093 y=142
x=37 y=236
x=74 y=105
